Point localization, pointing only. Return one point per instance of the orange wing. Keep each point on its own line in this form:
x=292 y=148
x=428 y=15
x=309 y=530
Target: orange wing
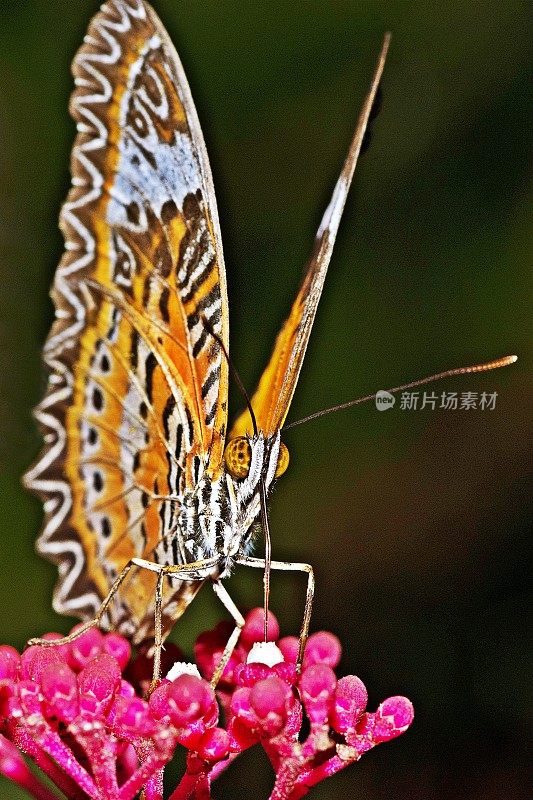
x=136 y=405
x=274 y=393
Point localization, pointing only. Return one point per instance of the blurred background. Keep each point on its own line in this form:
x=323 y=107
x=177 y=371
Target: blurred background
x=415 y=520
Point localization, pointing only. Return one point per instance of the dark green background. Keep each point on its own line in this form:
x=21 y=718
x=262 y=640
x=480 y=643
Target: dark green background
x=415 y=521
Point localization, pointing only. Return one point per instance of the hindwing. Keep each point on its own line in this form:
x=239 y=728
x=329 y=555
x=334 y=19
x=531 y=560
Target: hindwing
x=135 y=411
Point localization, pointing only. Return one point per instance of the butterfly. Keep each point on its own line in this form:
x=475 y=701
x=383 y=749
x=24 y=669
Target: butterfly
x=147 y=494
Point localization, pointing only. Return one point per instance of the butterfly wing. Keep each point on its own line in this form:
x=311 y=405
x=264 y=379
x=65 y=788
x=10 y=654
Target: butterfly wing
x=135 y=410
x=274 y=393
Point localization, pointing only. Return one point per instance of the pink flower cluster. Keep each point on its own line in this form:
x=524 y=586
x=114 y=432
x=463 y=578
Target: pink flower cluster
x=78 y=712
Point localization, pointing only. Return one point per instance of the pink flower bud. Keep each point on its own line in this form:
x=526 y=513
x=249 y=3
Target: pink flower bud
x=88 y=646
x=214 y=744
x=254 y=627
x=245 y=717
x=190 y=699
x=131 y=718
x=60 y=692
x=241 y=707
x=392 y=718
x=350 y=701
x=317 y=687
x=270 y=700
x=322 y=648
x=97 y=683
x=118 y=647
x=35 y=659
x=269 y=697
x=289 y=647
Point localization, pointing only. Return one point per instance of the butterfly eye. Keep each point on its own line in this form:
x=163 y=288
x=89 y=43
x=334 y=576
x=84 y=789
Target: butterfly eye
x=237 y=456
x=283 y=460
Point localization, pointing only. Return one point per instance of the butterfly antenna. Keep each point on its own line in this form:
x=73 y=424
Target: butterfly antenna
x=449 y=373
x=262 y=488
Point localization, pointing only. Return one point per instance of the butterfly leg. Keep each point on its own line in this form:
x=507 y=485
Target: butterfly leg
x=222 y=595
x=182 y=571
x=92 y=623
x=158 y=631
x=230 y=606
x=287 y=566
x=139 y=563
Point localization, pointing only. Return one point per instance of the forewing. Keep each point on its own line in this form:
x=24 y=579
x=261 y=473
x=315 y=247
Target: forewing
x=274 y=393
x=135 y=409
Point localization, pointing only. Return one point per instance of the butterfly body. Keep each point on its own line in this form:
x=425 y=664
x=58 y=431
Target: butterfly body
x=135 y=415
x=217 y=517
